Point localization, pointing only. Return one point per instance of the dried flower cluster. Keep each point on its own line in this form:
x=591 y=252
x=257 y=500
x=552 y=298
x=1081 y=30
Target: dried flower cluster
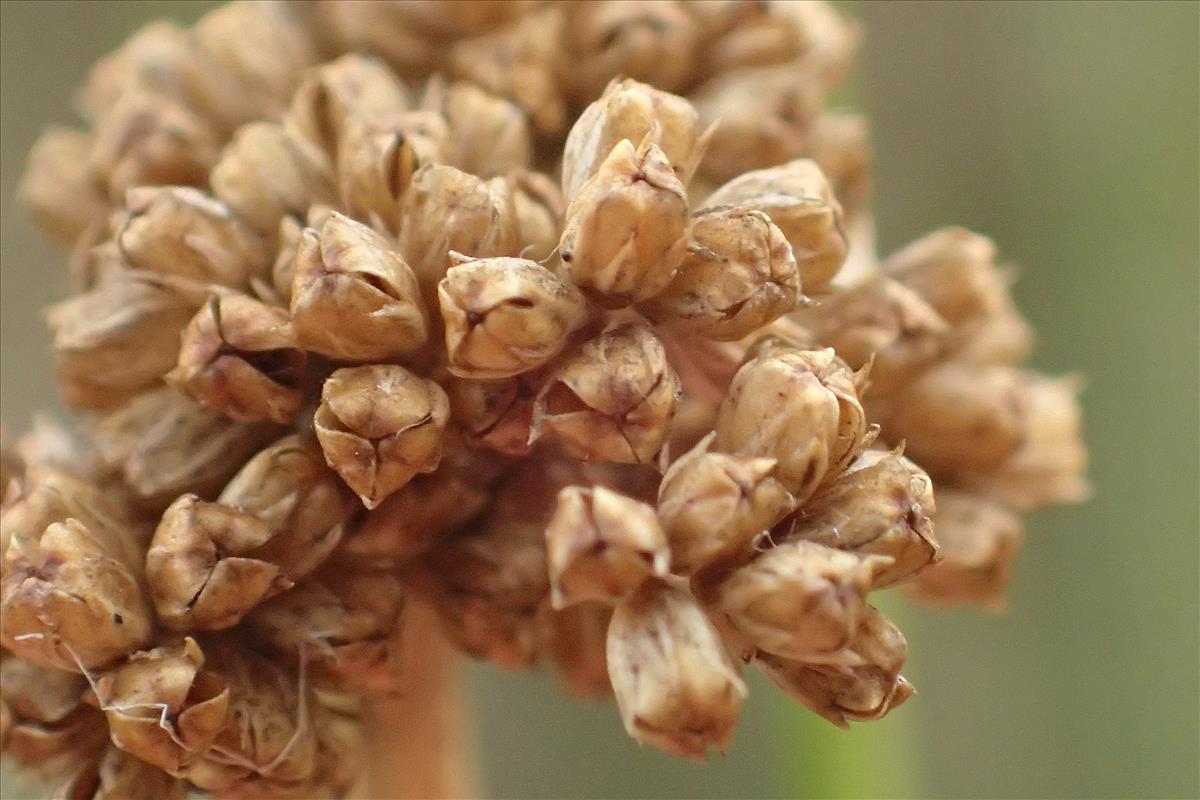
x=533 y=313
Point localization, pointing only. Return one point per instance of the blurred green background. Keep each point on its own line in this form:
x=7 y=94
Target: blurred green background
x=1069 y=133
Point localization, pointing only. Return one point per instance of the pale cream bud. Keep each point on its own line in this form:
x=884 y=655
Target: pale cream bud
x=489 y=136
x=353 y=86
x=540 y=208
x=58 y=188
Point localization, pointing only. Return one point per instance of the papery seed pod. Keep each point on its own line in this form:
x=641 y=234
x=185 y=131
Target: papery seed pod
x=353 y=297
x=612 y=400
x=653 y=41
x=737 y=275
x=540 y=208
x=52 y=442
x=797 y=198
x=624 y=231
x=121 y=776
x=471 y=17
x=867 y=691
x=446 y=209
x=202 y=568
x=46 y=718
x=799 y=407
x=775 y=32
x=496 y=414
x=58 y=187
x=575 y=639
x=239 y=356
x=353 y=86
x=163 y=706
x=713 y=505
x=601 y=545
x=288 y=486
x=978 y=541
x=840 y=144
x=882 y=505
x=489 y=136
x=176 y=230
x=633 y=111
x=675 y=684
x=504 y=316
x=369 y=26
x=801 y=601
x=379 y=426
x=120 y=338
x=48 y=493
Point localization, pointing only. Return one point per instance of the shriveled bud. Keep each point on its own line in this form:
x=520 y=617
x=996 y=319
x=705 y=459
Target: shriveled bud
x=202 y=568
x=489 y=136
x=239 y=357
x=799 y=407
x=738 y=275
x=163 y=706
x=633 y=111
x=601 y=545
x=801 y=601
x=575 y=640
x=353 y=86
x=120 y=338
x=713 y=505
x=288 y=486
x=864 y=692
x=540 y=208
x=504 y=316
x=496 y=414
x=379 y=426
x=58 y=187
x=178 y=230
x=121 y=776
x=978 y=541
x=353 y=296
x=613 y=399
x=675 y=684
x=797 y=198
x=624 y=232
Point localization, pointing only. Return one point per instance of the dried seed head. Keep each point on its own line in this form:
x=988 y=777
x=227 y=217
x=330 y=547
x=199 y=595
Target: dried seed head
x=882 y=506
x=625 y=229
x=633 y=111
x=495 y=414
x=797 y=198
x=540 y=208
x=863 y=692
x=58 y=188
x=379 y=426
x=613 y=399
x=121 y=776
x=163 y=706
x=574 y=639
x=201 y=566
x=353 y=296
x=288 y=486
x=675 y=684
x=353 y=86
x=120 y=338
x=713 y=505
x=504 y=316
x=738 y=275
x=801 y=601
x=799 y=407
x=601 y=545
x=489 y=136
x=978 y=542
x=239 y=357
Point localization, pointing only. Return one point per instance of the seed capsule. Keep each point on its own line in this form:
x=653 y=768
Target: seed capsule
x=504 y=316
x=379 y=426
x=496 y=414
x=354 y=86
x=47 y=722
x=489 y=136
x=58 y=188
x=540 y=208
x=674 y=682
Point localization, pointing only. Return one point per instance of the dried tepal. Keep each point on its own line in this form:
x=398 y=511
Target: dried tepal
x=557 y=327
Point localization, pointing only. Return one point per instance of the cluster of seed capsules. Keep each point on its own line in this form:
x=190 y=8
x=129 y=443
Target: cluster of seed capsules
x=539 y=315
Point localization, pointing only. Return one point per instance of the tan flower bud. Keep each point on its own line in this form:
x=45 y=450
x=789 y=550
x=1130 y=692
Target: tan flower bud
x=675 y=684
x=379 y=426
x=495 y=414
x=239 y=357
x=978 y=542
x=177 y=230
x=288 y=486
x=58 y=187
x=266 y=173
x=121 y=776
x=353 y=297
x=601 y=545
x=797 y=198
x=470 y=17
x=613 y=399
x=800 y=408
x=713 y=505
x=201 y=566
x=446 y=209
x=633 y=111
x=120 y=338
x=840 y=143
x=353 y=86
x=489 y=136
x=163 y=706
x=800 y=601
x=863 y=692
x=370 y=26
x=48 y=723
x=575 y=640
x=504 y=316
x=625 y=230
x=759 y=34
x=49 y=493
x=738 y=275
x=540 y=208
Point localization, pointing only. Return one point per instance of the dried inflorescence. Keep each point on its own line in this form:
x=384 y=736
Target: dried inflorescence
x=530 y=315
